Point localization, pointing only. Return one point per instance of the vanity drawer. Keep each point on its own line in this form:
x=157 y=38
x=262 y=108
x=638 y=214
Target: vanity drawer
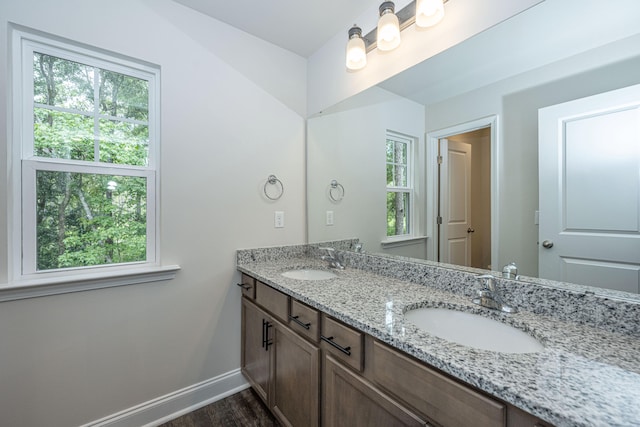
x=344 y=343
x=443 y=400
x=274 y=301
x=248 y=285
x=305 y=320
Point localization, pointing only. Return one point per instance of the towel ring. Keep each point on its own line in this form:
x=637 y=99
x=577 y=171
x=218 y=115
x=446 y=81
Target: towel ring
x=336 y=191
x=272 y=180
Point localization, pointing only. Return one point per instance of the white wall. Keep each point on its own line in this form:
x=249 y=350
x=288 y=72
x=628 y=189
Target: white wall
x=348 y=144
x=228 y=121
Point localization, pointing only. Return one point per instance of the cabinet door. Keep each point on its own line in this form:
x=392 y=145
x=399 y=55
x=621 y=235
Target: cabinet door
x=349 y=400
x=255 y=356
x=518 y=418
x=296 y=371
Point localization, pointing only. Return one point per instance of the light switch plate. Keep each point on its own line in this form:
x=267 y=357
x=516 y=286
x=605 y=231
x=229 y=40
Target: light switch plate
x=329 y=217
x=278 y=219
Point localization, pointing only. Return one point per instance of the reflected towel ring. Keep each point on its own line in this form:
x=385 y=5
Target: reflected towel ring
x=336 y=192
x=271 y=179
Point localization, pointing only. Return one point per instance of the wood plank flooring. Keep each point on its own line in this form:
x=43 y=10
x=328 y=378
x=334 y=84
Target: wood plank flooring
x=243 y=409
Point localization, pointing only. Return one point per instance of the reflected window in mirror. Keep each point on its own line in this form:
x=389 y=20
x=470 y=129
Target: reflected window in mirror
x=400 y=188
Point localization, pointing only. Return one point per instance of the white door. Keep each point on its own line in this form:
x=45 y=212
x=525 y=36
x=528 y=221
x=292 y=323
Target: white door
x=589 y=184
x=455 y=202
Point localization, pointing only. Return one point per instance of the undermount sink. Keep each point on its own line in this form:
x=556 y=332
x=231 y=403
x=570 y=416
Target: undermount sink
x=309 y=274
x=473 y=330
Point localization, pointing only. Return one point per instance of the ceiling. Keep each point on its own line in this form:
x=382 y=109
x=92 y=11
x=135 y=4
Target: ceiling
x=300 y=26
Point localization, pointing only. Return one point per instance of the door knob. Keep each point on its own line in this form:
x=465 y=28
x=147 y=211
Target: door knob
x=547 y=244
x=470 y=230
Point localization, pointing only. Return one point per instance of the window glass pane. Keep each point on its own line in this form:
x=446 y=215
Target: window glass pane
x=62 y=83
x=89 y=219
x=124 y=143
x=400 y=176
x=123 y=96
x=397 y=164
x=390 y=153
x=397 y=213
x=62 y=135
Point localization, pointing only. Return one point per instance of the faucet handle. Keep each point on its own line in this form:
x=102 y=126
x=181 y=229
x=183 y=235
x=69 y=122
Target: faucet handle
x=488 y=281
x=330 y=251
x=483 y=293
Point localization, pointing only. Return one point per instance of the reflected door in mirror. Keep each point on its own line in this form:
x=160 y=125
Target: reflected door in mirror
x=589 y=177
x=455 y=202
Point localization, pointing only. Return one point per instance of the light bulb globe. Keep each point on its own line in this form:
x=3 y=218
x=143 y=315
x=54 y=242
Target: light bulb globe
x=429 y=12
x=388 y=37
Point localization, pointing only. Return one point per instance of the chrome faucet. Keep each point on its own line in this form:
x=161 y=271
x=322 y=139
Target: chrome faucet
x=489 y=296
x=333 y=258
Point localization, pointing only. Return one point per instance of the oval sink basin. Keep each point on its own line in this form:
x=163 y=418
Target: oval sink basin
x=473 y=330
x=309 y=274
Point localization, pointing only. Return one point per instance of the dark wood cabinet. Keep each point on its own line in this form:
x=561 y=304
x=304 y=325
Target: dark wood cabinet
x=350 y=400
x=255 y=358
x=296 y=382
x=518 y=418
x=343 y=342
x=439 y=398
x=282 y=366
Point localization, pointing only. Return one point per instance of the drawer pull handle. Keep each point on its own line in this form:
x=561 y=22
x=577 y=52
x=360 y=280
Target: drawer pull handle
x=244 y=286
x=329 y=340
x=295 y=319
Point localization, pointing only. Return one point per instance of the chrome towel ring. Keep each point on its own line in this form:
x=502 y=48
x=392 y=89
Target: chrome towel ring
x=336 y=191
x=272 y=180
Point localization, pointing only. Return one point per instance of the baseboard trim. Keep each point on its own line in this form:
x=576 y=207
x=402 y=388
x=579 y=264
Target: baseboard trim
x=173 y=405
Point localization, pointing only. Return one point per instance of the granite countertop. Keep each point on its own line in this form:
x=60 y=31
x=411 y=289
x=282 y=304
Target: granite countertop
x=585 y=376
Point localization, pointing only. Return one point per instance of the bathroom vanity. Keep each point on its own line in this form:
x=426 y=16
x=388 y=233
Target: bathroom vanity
x=339 y=351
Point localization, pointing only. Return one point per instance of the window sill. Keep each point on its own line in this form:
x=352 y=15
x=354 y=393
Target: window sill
x=34 y=288
x=403 y=241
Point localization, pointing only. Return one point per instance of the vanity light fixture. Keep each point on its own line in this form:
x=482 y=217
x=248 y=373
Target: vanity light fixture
x=386 y=36
x=356 y=51
x=429 y=12
x=388 y=27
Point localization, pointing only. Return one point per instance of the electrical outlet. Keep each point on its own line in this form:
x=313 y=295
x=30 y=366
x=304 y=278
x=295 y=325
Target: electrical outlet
x=278 y=219
x=329 y=217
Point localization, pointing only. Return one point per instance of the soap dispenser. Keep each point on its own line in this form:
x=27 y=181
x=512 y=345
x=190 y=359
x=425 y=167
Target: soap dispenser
x=510 y=271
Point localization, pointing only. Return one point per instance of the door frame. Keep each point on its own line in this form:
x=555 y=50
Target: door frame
x=432 y=139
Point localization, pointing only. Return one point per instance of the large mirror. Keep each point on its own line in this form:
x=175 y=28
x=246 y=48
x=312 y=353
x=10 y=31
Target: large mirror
x=484 y=93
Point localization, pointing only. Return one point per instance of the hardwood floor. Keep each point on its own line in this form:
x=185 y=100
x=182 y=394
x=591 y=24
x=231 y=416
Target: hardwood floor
x=239 y=410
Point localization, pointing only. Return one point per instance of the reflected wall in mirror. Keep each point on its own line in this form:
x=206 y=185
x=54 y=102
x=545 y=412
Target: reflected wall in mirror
x=350 y=146
x=509 y=72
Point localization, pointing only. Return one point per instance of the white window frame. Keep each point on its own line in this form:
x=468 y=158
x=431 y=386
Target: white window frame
x=24 y=279
x=408 y=189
